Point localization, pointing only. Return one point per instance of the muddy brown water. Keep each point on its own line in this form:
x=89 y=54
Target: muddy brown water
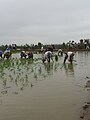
x=36 y=91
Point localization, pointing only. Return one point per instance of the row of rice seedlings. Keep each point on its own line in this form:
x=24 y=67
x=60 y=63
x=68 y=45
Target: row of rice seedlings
x=19 y=71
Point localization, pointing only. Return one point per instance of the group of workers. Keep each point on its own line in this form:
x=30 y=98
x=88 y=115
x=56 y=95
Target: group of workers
x=28 y=55
x=46 y=55
x=7 y=54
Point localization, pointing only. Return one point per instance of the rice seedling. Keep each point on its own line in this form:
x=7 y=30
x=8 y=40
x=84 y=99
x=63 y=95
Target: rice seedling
x=21 y=88
x=32 y=85
x=16 y=82
x=35 y=76
x=40 y=70
x=4 y=92
x=4 y=82
x=18 y=71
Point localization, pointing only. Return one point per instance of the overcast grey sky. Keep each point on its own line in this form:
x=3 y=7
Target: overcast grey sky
x=45 y=21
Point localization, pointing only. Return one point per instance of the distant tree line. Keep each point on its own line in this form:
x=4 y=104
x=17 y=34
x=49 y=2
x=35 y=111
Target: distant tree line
x=70 y=45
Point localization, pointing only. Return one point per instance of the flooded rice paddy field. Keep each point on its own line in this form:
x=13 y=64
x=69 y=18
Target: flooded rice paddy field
x=31 y=90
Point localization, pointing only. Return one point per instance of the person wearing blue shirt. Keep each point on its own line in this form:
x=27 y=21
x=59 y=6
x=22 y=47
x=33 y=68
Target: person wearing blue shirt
x=1 y=52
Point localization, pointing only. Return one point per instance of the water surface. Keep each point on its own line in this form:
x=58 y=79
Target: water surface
x=36 y=91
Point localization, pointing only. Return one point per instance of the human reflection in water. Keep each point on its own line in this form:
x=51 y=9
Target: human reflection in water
x=69 y=69
x=86 y=53
x=49 y=68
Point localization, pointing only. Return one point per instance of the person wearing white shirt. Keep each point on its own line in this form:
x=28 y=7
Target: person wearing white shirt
x=47 y=56
x=69 y=55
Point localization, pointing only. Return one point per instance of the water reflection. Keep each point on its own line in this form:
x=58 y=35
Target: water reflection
x=56 y=66
x=69 y=69
x=18 y=74
x=49 y=68
x=18 y=80
x=86 y=53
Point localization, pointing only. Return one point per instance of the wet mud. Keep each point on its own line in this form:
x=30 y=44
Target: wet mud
x=85 y=111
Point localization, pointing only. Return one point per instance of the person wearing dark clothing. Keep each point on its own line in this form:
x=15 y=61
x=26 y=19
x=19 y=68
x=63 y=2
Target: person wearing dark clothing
x=56 y=57
x=30 y=55
x=65 y=58
x=23 y=54
x=1 y=52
